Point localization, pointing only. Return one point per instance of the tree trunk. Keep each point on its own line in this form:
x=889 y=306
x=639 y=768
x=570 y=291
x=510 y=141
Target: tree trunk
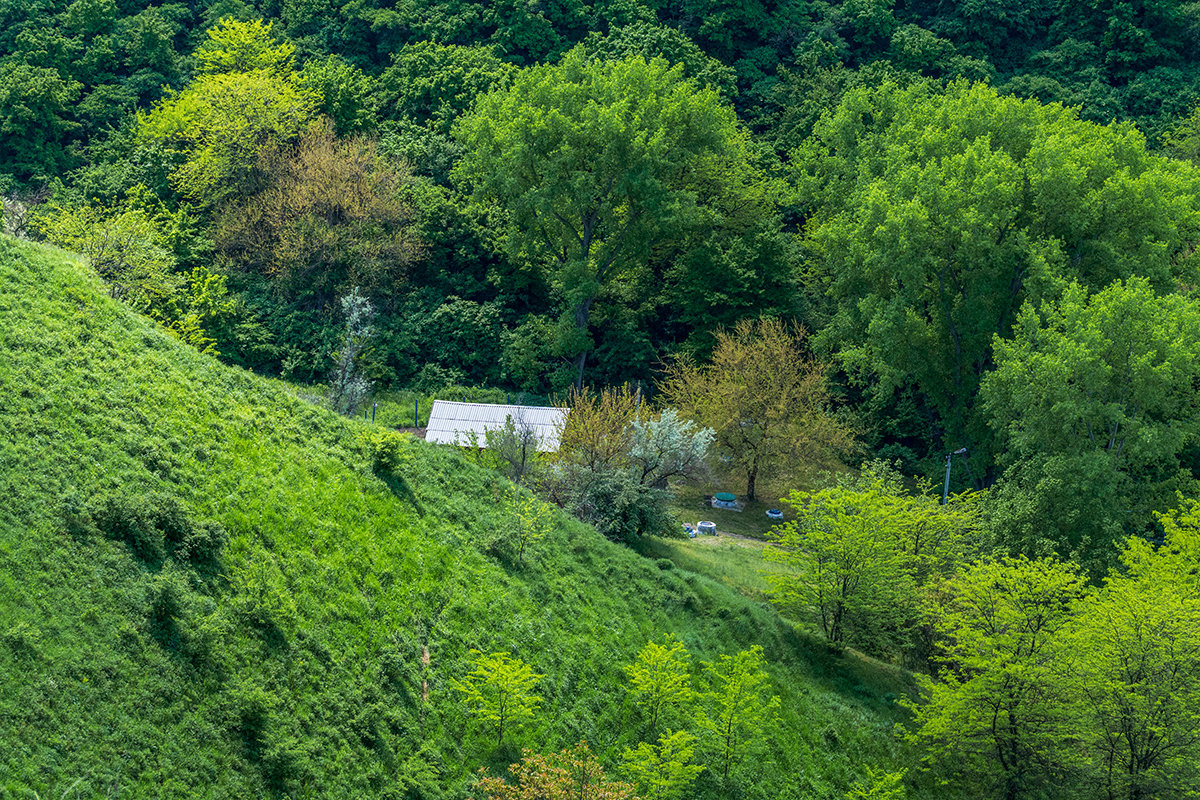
x=582 y=313
x=751 y=477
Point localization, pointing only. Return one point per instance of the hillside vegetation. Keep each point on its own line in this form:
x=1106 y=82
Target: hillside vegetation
x=209 y=587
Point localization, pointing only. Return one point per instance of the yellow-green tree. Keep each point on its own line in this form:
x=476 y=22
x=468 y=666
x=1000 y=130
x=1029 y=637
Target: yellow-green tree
x=766 y=399
x=661 y=679
x=530 y=517
x=245 y=97
x=1136 y=642
x=1001 y=711
x=663 y=771
x=860 y=552
x=499 y=690
x=237 y=46
x=739 y=708
x=849 y=571
x=123 y=243
x=597 y=433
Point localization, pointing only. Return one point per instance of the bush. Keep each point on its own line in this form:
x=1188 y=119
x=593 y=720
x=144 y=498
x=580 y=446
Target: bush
x=153 y=525
x=203 y=545
x=124 y=519
x=612 y=500
x=387 y=450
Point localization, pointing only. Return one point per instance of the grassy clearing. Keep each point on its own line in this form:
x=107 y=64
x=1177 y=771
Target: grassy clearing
x=734 y=561
x=293 y=662
x=752 y=521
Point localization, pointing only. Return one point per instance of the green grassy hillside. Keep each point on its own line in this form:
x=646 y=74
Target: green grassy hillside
x=207 y=590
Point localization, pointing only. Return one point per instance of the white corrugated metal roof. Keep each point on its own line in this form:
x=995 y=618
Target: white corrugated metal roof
x=453 y=423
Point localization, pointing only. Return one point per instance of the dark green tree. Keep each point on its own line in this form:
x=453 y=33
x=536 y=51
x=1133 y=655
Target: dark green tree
x=1094 y=400
x=36 y=120
x=594 y=162
x=935 y=216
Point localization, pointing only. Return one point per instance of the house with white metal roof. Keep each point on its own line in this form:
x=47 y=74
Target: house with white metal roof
x=466 y=424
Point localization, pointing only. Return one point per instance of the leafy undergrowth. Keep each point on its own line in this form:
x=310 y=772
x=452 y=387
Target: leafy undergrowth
x=209 y=587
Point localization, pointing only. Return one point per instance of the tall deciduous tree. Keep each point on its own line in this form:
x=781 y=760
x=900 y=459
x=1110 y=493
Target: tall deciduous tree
x=1095 y=400
x=661 y=678
x=245 y=98
x=434 y=84
x=863 y=552
x=594 y=162
x=935 y=216
x=500 y=690
x=664 y=770
x=850 y=572
x=740 y=708
x=765 y=398
x=329 y=214
x=1137 y=641
x=35 y=119
x=1001 y=710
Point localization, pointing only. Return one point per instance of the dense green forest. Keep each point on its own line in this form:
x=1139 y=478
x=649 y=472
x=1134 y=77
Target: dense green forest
x=827 y=254
x=534 y=197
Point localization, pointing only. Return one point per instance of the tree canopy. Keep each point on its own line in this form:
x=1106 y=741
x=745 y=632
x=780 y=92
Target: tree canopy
x=1094 y=399
x=934 y=216
x=593 y=163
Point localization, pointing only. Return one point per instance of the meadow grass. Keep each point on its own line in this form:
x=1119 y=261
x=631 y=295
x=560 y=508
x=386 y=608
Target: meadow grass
x=209 y=587
x=752 y=521
x=736 y=562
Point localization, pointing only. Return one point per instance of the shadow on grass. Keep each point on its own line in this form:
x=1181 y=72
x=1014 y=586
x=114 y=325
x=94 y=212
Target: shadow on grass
x=400 y=488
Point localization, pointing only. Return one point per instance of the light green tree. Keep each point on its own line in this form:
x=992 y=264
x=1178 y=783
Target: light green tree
x=1002 y=708
x=531 y=519
x=236 y=46
x=661 y=679
x=499 y=690
x=1094 y=400
x=1137 y=646
x=739 y=708
x=123 y=243
x=593 y=163
x=861 y=554
x=665 y=770
x=129 y=244
x=1182 y=140
x=848 y=568
x=245 y=98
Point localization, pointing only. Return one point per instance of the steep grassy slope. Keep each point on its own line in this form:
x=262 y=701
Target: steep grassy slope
x=206 y=590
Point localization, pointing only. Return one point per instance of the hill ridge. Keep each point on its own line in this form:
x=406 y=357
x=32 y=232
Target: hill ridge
x=210 y=587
